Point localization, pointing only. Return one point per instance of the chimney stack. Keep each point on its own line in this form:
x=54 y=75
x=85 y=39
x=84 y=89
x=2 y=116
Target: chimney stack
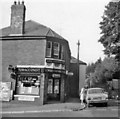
x=18 y=18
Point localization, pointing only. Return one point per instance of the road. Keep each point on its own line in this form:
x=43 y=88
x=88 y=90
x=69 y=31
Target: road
x=110 y=111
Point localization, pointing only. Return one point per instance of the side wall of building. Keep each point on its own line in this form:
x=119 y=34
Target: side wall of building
x=21 y=52
x=82 y=74
x=66 y=78
x=73 y=80
x=76 y=84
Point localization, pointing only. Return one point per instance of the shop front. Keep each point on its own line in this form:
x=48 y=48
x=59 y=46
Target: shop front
x=55 y=84
x=28 y=83
x=39 y=84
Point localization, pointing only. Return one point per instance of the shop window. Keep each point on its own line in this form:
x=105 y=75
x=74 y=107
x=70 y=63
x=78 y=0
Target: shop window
x=56 y=49
x=56 y=86
x=50 y=86
x=48 y=49
x=28 y=85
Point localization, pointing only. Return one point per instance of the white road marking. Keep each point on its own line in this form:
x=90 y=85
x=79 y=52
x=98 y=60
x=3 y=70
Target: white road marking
x=102 y=109
x=115 y=109
x=33 y=111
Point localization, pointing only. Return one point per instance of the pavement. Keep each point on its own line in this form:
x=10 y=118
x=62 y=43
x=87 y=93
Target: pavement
x=114 y=102
x=73 y=104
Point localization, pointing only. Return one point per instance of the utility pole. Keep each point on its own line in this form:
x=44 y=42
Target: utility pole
x=78 y=44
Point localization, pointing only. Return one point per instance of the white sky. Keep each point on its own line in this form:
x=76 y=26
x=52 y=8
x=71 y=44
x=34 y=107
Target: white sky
x=73 y=19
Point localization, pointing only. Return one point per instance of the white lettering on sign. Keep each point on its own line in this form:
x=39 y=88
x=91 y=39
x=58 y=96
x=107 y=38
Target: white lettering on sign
x=56 y=75
x=29 y=69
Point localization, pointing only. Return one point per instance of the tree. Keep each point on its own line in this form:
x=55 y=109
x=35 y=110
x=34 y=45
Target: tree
x=90 y=68
x=110 y=26
x=106 y=69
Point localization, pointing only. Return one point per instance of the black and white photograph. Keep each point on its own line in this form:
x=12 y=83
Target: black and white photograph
x=60 y=58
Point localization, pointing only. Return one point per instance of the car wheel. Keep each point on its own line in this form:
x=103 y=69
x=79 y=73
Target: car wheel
x=106 y=104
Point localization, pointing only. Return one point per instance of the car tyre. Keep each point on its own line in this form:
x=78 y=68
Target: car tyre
x=106 y=104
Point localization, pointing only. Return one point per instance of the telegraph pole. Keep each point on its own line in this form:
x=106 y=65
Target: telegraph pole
x=78 y=44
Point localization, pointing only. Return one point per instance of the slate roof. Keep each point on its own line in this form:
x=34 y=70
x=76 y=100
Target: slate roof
x=74 y=60
x=33 y=28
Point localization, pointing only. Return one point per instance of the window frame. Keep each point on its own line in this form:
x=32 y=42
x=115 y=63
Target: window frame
x=49 y=49
x=62 y=52
x=57 y=55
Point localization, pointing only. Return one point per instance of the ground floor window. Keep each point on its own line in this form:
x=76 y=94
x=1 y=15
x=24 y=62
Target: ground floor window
x=53 y=88
x=28 y=85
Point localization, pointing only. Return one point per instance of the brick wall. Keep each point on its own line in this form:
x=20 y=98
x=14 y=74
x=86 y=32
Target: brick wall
x=21 y=52
x=73 y=81
x=62 y=91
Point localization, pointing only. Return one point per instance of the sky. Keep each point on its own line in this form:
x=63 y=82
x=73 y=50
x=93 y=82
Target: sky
x=72 y=19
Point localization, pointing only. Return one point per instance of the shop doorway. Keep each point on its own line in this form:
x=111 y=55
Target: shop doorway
x=53 y=92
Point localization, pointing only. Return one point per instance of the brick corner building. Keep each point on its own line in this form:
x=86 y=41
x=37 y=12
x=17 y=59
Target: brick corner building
x=34 y=58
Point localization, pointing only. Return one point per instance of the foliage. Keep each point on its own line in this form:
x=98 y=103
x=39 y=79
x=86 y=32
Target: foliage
x=103 y=71
x=110 y=29
x=90 y=68
x=106 y=69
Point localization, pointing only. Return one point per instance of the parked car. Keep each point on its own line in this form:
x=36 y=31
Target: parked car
x=96 y=95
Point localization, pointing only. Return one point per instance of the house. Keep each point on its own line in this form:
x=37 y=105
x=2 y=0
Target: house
x=34 y=58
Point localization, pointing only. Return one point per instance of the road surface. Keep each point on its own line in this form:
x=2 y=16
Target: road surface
x=110 y=111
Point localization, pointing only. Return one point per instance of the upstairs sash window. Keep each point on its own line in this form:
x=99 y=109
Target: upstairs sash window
x=49 y=49
x=62 y=52
x=56 y=49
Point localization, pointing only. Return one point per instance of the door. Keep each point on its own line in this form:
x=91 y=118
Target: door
x=53 y=89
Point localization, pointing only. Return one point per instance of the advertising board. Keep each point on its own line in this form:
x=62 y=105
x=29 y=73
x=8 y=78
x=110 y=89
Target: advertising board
x=5 y=91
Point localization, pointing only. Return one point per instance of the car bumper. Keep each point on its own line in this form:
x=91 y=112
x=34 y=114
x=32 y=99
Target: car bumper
x=97 y=101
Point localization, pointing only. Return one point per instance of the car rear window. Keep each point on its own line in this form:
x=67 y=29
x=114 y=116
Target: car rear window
x=95 y=91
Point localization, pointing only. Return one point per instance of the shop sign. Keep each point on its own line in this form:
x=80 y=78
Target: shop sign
x=56 y=75
x=5 y=91
x=33 y=70
x=55 y=71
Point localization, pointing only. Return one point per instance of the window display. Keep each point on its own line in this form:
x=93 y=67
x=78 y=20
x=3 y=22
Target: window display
x=50 y=86
x=28 y=85
x=53 y=86
x=56 y=86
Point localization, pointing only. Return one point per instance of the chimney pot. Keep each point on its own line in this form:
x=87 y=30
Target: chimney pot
x=14 y=2
x=18 y=2
x=23 y=2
